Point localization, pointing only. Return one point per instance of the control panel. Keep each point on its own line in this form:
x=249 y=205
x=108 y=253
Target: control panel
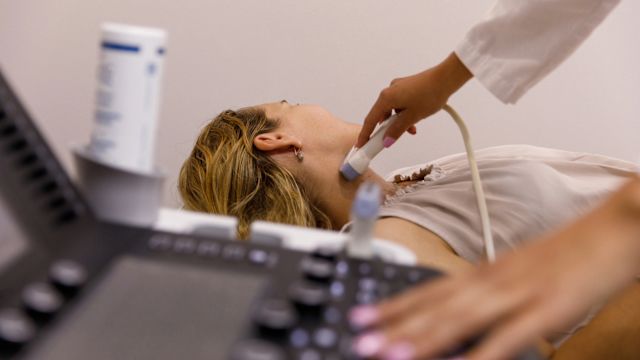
x=87 y=289
x=304 y=314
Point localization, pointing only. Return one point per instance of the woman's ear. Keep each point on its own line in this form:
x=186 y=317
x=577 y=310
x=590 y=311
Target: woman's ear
x=275 y=141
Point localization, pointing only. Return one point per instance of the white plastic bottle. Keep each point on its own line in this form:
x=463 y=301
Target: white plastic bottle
x=128 y=96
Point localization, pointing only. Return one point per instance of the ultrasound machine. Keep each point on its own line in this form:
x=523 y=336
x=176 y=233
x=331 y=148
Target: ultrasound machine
x=75 y=287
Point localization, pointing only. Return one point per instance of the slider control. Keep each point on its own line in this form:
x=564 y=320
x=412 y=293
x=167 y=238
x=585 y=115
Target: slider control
x=317 y=269
x=275 y=314
x=68 y=275
x=42 y=299
x=309 y=295
x=15 y=327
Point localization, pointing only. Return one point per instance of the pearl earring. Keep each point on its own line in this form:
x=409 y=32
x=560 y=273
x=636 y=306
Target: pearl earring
x=298 y=153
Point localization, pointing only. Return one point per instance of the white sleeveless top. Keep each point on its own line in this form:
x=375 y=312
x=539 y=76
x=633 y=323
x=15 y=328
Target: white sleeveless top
x=529 y=191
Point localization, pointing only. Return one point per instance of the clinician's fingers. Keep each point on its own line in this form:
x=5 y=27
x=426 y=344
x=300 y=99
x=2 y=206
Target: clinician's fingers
x=438 y=329
x=436 y=292
x=422 y=296
x=403 y=122
x=406 y=303
x=415 y=323
x=513 y=336
x=395 y=81
x=380 y=111
x=445 y=321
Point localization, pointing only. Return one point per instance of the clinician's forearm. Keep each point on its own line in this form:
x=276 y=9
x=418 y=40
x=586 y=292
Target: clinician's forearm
x=452 y=73
x=631 y=194
x=621 y=217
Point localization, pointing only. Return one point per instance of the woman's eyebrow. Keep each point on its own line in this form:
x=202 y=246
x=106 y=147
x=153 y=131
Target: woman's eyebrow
x=284 y=101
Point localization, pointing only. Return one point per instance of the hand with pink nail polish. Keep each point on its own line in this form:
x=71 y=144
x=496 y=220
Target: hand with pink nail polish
x=524 y=296
x=363 y=316
x=369 y=345
x=414 y=98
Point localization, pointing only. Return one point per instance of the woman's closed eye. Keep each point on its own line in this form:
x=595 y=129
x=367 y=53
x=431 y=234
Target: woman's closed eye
x=283 y=102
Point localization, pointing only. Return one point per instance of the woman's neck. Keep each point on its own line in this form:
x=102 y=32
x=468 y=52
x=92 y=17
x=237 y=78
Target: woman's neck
x=335 y=197
x=330 y=191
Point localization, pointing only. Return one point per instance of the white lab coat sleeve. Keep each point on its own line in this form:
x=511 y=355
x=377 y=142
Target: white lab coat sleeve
x=520 y=41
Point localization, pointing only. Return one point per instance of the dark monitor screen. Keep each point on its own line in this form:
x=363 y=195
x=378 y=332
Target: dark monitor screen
x=146 y=309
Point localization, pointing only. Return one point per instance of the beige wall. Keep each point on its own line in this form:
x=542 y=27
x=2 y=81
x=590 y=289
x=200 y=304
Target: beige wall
x=231 y=53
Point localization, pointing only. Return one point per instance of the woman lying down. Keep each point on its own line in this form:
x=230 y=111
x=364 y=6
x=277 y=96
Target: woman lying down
x=280 y=162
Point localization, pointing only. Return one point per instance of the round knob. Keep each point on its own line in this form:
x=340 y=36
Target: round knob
x=42 y=299
x=275 y=314
x=325 y=337
x=326 y=253
x=253 y=349
x=368 y=284
x=15 y=327
x=317 y=269
x=415 y=276
x=307 y=294
x=68 y=275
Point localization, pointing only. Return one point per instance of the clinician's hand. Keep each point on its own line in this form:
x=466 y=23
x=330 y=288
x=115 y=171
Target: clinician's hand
x=523 y=296
x=415 y=98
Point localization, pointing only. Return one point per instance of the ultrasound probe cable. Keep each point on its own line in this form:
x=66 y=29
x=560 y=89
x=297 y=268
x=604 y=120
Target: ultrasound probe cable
x=489 y=247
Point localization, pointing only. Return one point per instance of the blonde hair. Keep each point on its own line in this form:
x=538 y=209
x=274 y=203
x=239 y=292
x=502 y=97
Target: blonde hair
x=226 y=174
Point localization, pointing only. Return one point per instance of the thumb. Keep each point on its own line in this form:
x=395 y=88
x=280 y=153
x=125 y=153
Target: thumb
x=377 y=114
x=403 y=122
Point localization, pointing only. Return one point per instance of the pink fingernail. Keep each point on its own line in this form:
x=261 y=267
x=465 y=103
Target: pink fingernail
x=369 y=345
x=388 y=141
x=363 y=316
x=401 y=351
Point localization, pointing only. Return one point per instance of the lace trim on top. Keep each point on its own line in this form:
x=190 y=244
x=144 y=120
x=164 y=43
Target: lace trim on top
x=423 y=176
x=429 y=173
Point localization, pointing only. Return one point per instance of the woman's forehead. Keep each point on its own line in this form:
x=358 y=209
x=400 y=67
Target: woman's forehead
x=272 y=110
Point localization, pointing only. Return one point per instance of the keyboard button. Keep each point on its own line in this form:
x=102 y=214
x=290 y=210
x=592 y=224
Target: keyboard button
x=68 y=275
x=368 y=284
x=365 y=269
x=160 y=242
x=309 y=295
x=326 y=253
x=390 y=272
x=415 y=276
x=258 y=257
x=317 y=269
x=276 y=314
x=342 y=269
x=208 y=248
x=184 y=246
x=366 y=298
x=233 y=252
x=325 y=338
x=299 y=338
x=337 y=289
x=309 y=354
x=15 y=327
x=42 y=299
x=332 y=316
